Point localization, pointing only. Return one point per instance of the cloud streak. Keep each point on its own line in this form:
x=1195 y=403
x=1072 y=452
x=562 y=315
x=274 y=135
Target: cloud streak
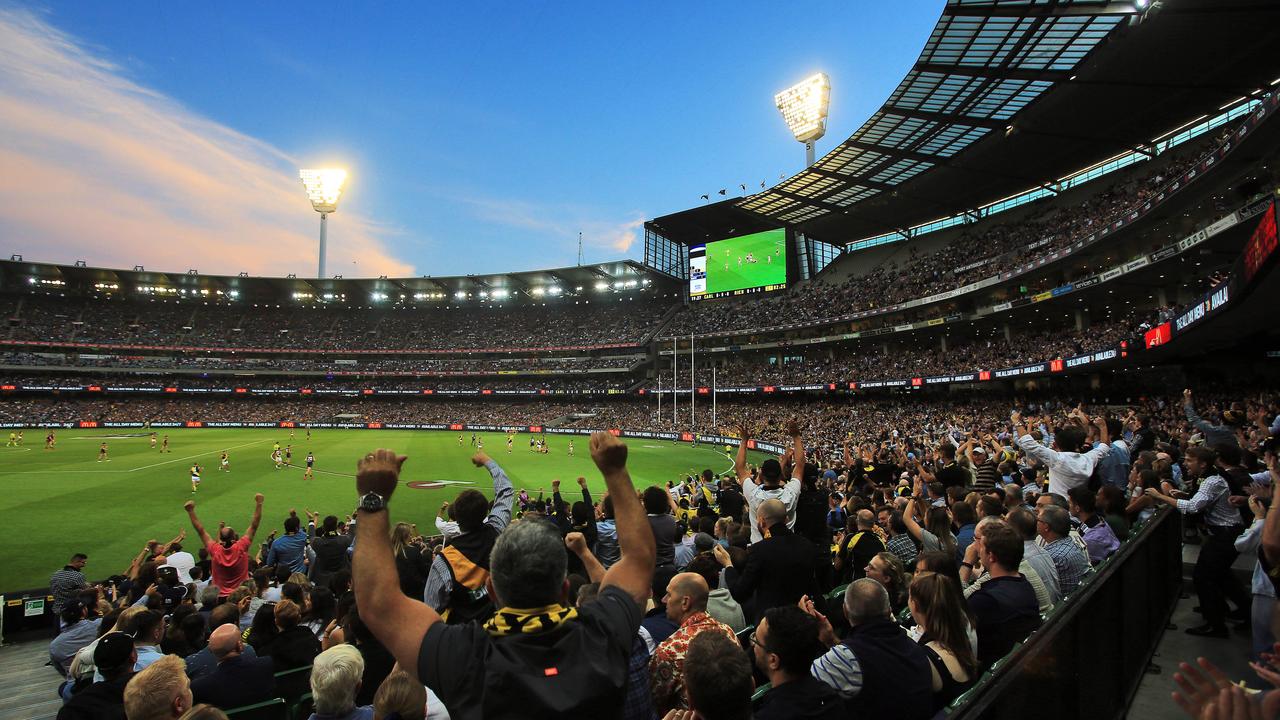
x=561 y=222
x=94 y=166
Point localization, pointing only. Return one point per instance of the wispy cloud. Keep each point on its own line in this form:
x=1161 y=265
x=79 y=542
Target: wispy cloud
x=94 y=166
x=563 y=222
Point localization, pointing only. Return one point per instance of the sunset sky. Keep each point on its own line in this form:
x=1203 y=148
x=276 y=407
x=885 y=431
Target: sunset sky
x=478 y=139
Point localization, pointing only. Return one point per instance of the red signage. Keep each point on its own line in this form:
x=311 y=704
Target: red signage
x=171 y=389
x=287 y=424
x=486 y=392
x=241 y=391
x=984 y=374
x=615 y=432
x=428 y=391
x=686 y=437
x=853 y=386
x=88 y=424
x=366 y=391
x=455 y=426
x=305 y=391
x=1261 y=245
x=831 y=386
x=1056 y=365
x=768 y=388
x=751 y=444
x=1158 y=335
x=704 y=391
x=94 y=388
x=917 y=382
x=641 y=391
x=535 y=428
x=374 y=426
x=193 y=423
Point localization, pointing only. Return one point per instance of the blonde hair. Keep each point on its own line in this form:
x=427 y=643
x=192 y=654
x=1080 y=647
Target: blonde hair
x=335 y=679
x=287 y=614
x=204 y=711
x=300 y=579
x=151 y=693
x=400 y=693
x=401 y=534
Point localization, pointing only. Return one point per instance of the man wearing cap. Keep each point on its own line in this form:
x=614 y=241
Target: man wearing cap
x=770 y=486
x=79 y=628
x=239 y=679
x=986 y=473
x=114 y=657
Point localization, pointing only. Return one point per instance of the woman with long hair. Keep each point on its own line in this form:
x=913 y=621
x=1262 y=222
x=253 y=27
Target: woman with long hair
x=886 y=569
x=936 y=533
x=321 y=608
x=942 y=612
x=412 y=564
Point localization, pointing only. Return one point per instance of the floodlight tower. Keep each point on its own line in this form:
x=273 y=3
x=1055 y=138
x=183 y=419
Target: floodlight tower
x=804 y=108
x=324 y=187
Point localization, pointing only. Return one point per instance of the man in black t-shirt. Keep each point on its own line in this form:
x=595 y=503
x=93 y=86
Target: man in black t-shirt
x=538 y=657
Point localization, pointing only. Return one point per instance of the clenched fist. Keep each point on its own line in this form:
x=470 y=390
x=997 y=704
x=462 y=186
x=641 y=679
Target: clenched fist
x=608 y=452
x=379 y=472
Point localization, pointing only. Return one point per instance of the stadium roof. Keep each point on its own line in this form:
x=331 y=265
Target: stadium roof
x=20 y=276
x=1008 y=95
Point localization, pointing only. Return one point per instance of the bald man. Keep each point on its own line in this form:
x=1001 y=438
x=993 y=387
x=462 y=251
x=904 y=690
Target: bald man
x=686 y=601
x=239 y=679
x=779 y=570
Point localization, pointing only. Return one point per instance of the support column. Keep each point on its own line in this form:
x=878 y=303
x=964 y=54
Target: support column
x=1008 y=334
x=1162 y=298
x=943 y=343
x=1082 y=320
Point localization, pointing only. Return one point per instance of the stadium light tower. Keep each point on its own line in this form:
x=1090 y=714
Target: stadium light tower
x=804 y=108
x=324 y=187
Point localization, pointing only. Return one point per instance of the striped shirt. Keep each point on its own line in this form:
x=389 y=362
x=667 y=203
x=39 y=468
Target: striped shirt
x=1072 y=563
x=839 y=668
x=1213 y=500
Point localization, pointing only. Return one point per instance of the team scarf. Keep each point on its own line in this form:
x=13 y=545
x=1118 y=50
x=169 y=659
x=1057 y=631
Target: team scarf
x=517 y=621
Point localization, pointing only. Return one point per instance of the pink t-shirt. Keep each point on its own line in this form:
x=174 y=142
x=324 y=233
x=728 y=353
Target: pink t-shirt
x=229 y=566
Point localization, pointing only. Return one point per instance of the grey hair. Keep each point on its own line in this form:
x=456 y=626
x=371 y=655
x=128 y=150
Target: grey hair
x=209 y=596
x=335 y=679
x=1058 y=500
x=865 y=600
x=1057 y=519
x=528 y=565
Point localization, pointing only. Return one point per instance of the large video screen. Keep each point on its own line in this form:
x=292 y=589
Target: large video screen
x=738 y=266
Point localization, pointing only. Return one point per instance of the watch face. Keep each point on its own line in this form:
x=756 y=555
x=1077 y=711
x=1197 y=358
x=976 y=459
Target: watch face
x=371 y=502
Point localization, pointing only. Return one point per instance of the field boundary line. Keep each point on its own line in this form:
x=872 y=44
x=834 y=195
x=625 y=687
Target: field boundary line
x=192 y=457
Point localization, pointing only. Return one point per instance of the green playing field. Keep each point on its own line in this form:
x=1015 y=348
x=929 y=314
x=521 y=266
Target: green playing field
x=56 y=503
x=748 y=261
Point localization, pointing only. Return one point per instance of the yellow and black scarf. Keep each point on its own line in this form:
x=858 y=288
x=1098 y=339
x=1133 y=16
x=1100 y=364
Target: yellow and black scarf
x=517 y=621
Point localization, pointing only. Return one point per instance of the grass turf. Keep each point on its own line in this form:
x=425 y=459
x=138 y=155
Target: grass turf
x=56 y=503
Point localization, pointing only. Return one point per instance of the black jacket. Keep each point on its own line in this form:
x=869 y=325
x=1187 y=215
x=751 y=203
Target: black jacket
x=805 y=698
x=294 y=648
x=236 y=682
x=100 y=701
x=778 y=570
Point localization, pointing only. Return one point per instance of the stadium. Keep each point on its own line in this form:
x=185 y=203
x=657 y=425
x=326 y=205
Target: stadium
x=982 y=403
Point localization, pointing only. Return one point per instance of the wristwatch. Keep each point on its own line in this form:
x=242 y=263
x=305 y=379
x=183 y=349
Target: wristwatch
x=372 y=502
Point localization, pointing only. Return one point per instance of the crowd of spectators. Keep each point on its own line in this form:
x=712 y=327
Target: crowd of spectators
x=564 y=323
x=880 y=579
x=986 y=250
x=374 y=366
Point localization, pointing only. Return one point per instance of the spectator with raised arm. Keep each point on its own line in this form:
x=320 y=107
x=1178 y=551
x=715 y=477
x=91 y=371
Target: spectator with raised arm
x=456 y=583
x=1068 y=467
x=230 y=555
x=770 y=486
x=554 y=660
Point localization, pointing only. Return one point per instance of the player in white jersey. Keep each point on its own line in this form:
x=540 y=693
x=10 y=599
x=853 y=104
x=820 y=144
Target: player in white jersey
x=224 y=463
x=277 y=458
x=195 y=478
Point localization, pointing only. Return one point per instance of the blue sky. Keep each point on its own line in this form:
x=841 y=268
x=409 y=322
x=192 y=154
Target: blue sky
x=479 y=138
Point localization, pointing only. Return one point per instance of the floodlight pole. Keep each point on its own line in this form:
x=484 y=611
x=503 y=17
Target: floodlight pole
x=324 y=227
x=808 y=153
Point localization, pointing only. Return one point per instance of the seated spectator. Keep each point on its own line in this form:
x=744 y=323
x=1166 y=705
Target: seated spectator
x=784 y=645
x=204 y=662
x=79 y=628
x=973 y=574
x=886 y=569
x=718 y=680
x=204 y=712
x=335 y=680
x=1024 y=522
x=290 y=551
x=944 y=616
x=686 y=605
x=294 y=645
x=147 y=628
x=856 y=546
x=1099 y=539
x=720 y=602
x=237 y=680
x=1069 y=559
x=160 y=692
x=400 y=694
x=878 y=670
x=114 y=657
x=1005 y=609
x=557 y=661
x=779 y=569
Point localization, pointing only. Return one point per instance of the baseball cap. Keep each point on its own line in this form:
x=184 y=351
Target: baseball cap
x=703 y=542
x=771 y=469
x=979 y=449
x=114 y=650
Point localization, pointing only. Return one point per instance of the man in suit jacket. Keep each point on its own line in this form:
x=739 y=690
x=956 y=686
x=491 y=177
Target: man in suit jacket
x=239 y=680
x=779 y=569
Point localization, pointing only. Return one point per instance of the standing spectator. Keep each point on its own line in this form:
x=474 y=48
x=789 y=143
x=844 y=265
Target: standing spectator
x=856 y=548
x=1005 y=609
x=718 y=678
x=944 y=616
x=1069 y=559
x=656 y=503
x=778 y=570
x=238 y=679
x=900 y=541
x=1068 y=467
x=160 y=692
x=412 y=564
x=1264 y=593
x=771 y=487
x=65 y=584
x=457 y=584
x=950 y=474
x=1213 y=434
x=878 y=670
x=986 y=473
x=686 y=603
x=335 y=680
x=290 y=551
x=557 y=661
x=606 y=545
x=1024 y=522
x=114 y=657
x=230 y=556
x=783 y=646
x=732 y=504
x=180 y=560
x=1213 y=578
x=1113 y=470
x=330 y=549
x=720 y=602
x=1099 y=539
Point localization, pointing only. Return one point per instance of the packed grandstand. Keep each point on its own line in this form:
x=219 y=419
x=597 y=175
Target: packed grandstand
x=991 y=434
